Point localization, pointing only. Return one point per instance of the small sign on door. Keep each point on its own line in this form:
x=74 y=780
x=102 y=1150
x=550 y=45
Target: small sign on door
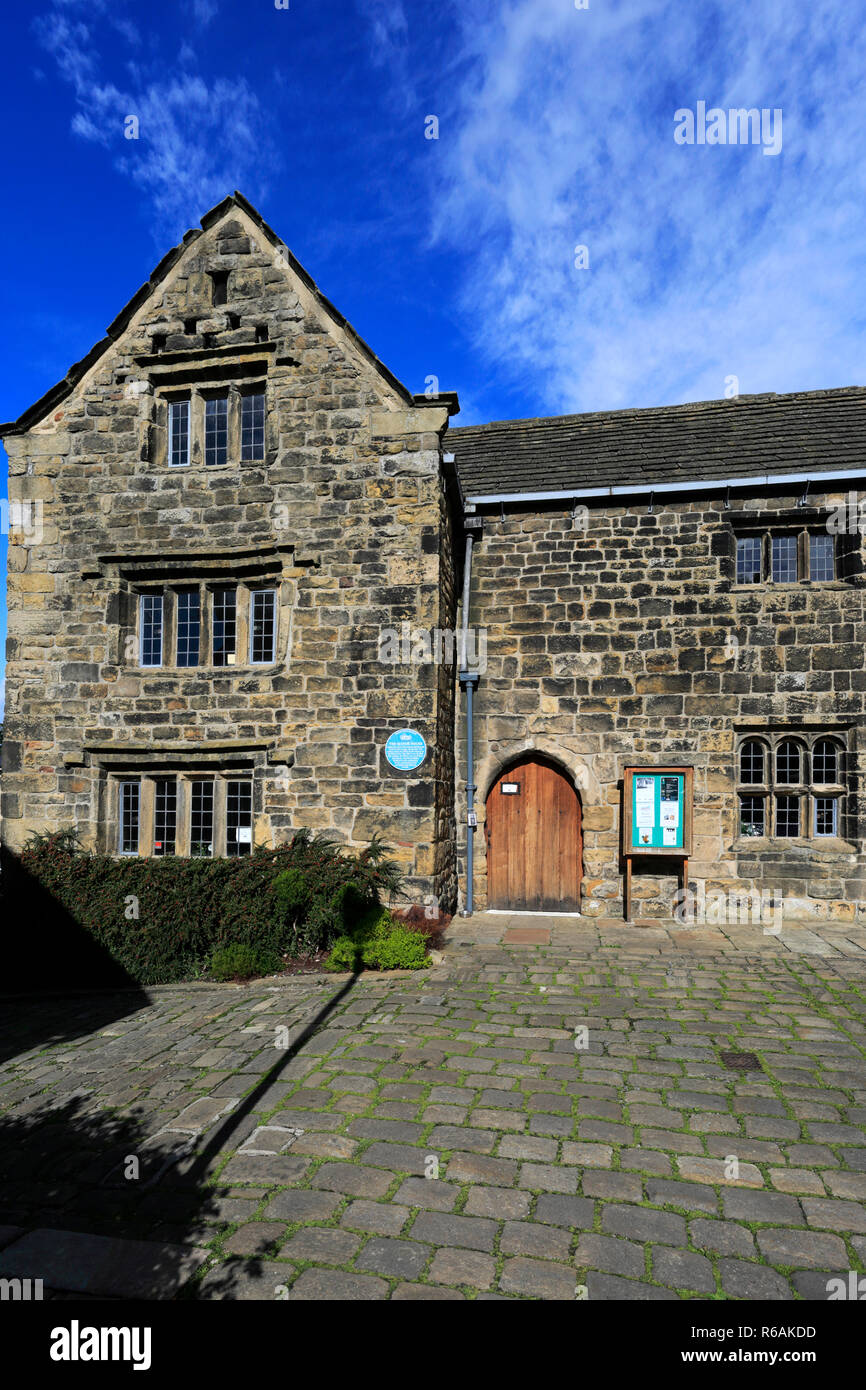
x=509 y=788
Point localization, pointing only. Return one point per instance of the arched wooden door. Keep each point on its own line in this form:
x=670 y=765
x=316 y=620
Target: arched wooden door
x=533 y=839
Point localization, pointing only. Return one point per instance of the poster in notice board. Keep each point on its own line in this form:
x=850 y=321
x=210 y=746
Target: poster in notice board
x=657 y=806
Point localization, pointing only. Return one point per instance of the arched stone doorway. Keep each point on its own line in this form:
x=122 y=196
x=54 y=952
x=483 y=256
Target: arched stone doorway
x=534 y=842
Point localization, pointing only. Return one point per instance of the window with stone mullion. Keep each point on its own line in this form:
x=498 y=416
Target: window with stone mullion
x=790 y=786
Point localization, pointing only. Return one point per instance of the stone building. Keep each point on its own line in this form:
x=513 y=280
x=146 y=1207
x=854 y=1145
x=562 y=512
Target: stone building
x=243 y=557
x=679 y=586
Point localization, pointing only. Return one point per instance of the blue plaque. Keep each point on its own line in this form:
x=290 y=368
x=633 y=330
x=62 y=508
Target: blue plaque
x=405 y=750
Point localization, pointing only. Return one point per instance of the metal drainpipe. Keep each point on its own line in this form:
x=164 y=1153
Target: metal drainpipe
x=469 y=679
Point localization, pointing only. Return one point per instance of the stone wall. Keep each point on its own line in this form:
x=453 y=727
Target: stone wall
x=620 y=637
x=345 y=515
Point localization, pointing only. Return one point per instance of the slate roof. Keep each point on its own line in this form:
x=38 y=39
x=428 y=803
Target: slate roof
x=806 y=432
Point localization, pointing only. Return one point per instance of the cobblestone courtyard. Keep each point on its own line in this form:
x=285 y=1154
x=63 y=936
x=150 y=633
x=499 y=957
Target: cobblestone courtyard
x=453 y=1134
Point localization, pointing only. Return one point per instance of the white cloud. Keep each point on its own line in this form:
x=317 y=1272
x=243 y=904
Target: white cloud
x=390 y=27
x=704 y=262
x=204 y=11
x=197 y=139
x=388 y=45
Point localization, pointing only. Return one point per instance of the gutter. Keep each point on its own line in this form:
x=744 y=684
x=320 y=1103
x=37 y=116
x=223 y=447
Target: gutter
x=644 y=489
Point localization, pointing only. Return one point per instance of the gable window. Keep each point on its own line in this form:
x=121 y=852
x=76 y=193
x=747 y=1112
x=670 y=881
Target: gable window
x=214 y=424
x=186 y=814
x=178 y=434
x=263 y=627
x=201 y=818
x=188 y=627
x=205 y=624
x=790 y=788
x=225 y=627
x=165 y=815
x=151 y=629
x=130 y=806
x=786 y=556
x=253 y=426
x=822 y=559
x=220 y=284
x=784 y=559
x=239 y=818
x=216 y=430
x=748 y=559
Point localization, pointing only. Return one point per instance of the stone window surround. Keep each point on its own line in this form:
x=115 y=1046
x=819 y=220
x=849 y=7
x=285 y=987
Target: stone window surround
x=269 y=565
x=766 y=529
x=197 y=394
x=147 y=778
x=258 y=761
x=806 y=788
x=243 y=640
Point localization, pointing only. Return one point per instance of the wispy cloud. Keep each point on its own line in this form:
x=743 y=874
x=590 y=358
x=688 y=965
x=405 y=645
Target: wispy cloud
x=192 y=140
x=204 y=11
x=388 y=44
x=703 y=262
x=389 y=27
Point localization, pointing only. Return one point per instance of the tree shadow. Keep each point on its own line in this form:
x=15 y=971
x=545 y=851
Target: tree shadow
x=71 y=1164
x=46 y=953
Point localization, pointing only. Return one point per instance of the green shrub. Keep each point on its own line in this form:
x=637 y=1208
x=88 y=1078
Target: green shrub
x=242 y=962
x=155 y=921
x=378 y=942
x=292 y=891
x=325 y=892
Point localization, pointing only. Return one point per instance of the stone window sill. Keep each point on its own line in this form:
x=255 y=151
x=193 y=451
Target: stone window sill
x=828 y=847
x=270 y=668
x=199 y=466
x=768 y=586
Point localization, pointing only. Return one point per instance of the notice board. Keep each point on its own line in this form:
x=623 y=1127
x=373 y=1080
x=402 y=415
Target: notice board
x=658 y=807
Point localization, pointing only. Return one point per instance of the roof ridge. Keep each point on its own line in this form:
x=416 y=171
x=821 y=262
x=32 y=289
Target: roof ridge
x=683 y=407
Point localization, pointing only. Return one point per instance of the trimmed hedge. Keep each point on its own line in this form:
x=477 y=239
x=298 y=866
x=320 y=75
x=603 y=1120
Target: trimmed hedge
x=160 y=920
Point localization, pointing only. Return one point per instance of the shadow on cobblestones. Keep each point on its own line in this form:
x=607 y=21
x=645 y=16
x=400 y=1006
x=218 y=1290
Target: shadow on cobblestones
x=38 y=1020
x=72 y=1160
x=220 y=1140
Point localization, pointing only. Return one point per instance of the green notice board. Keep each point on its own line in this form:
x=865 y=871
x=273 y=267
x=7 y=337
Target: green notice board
x=658 y=810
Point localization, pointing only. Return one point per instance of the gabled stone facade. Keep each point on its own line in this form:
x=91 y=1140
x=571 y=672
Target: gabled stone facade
x=346 y=516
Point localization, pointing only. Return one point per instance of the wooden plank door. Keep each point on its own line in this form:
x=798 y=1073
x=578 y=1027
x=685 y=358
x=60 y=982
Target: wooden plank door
x=533 y=840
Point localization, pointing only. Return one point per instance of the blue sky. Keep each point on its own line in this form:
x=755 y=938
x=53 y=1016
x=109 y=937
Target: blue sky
x=455 y=257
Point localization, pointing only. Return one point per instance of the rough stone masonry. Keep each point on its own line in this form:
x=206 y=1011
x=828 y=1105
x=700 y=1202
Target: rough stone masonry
x=236 y=498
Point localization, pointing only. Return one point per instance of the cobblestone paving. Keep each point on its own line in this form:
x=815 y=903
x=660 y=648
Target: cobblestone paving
x=524 y=1121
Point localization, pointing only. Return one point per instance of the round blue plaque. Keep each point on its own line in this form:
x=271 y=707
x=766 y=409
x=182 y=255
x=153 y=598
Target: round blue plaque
x=405 y=750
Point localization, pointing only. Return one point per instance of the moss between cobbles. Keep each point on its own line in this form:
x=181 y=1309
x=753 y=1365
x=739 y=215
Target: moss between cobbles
x=492 y=994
